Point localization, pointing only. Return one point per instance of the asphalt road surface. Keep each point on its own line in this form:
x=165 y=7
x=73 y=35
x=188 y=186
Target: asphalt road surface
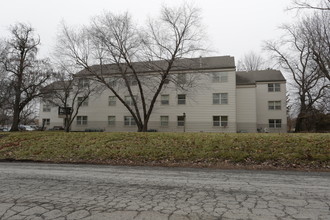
x=51 y=191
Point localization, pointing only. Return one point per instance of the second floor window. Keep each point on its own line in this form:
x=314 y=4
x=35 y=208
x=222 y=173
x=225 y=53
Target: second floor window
x=274 y=87
x=274 y=105
x=165 y=99
x=112 y=100
x=220 y=98
x=181 y=99
x=82 y=120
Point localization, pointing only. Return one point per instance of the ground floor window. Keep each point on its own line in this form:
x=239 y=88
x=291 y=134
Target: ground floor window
x=163 y=120
x=82 y=120
x=220 y=121
x=46 y=121
x=129 y=121
x=275 y=123
x=111 y=120
x=181 y=120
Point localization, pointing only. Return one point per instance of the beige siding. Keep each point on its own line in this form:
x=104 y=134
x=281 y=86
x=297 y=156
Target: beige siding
x=52 y=115
x=199 y=108
x=246 y=109
x=263 y=113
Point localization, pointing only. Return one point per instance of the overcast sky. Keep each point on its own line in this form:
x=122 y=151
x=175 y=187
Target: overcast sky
x=233 y=27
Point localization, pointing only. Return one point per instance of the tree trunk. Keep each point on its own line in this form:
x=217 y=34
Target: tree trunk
x=299 y=123
x=145 y=126
x=15 y=124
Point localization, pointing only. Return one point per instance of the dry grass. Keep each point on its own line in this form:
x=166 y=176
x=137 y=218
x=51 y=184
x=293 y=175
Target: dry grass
x=166 y=149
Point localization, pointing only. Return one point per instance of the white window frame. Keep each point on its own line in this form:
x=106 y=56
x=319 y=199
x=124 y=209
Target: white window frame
x=220 y=77
x=274 y=87
x=275 y=123
x=164 y=119
x=83 y=83
x=220 y=98
x=274 y=105
x=165 y=99
x=129 y=121
x=129 y=100
x=182 y=99
x=220 y=121
x=82 y=120
x=111 y=120
x=112 y=100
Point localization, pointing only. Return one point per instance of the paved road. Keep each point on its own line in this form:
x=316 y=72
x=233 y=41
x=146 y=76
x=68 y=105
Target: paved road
x=49 y=191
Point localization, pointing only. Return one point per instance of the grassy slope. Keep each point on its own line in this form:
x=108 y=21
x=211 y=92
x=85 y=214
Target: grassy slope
x=206 y=149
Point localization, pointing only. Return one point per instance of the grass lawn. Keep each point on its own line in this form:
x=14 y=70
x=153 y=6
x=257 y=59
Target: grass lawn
x=305 y=151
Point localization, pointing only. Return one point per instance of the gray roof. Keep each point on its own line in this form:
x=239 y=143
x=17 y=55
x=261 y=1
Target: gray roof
x=251 y=77
x=58 y=85
x=201 y=63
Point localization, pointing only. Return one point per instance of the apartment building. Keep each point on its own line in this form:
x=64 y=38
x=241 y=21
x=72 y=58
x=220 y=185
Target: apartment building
x=218 y=99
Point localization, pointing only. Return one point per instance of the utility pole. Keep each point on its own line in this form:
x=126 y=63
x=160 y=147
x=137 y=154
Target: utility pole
x=184 y=122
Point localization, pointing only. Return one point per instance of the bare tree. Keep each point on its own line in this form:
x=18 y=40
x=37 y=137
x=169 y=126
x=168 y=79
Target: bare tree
x=69 y=93
x=295 y=56
x=116 y=45
x=250 y=62
x=316 y=29
x=26 y=73
x=323 y=5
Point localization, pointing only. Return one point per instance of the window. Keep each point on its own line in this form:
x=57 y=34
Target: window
x=274 y=87
x=112 y=100
x=274 y=105
x=45 y=121
x=82 y=101
x=220 y=98
x=181 y=99
x=111 y=120
x=275 y=123
x=81 y=120
x=163 y=120
x=181 y=78
x=221 y=121
x=181 y=120
x=129 y=100
x=219 y=77
x=83 y=83
x=129 y=121
x=165 y=99
x=46 y=107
